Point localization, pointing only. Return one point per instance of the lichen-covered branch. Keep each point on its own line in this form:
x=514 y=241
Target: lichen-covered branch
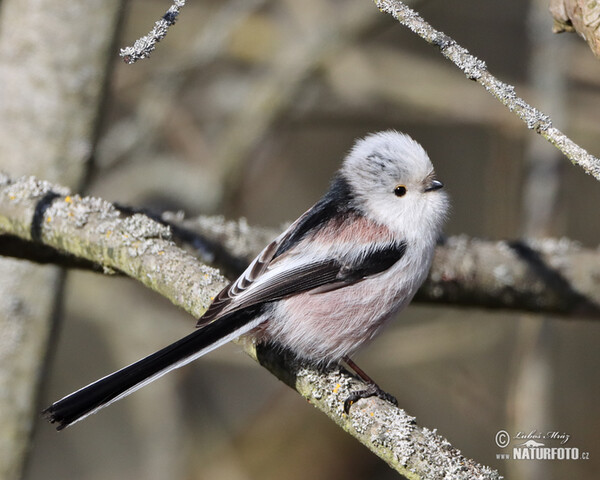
x=476 y=69
x=95 y=230
x=142 y=248
x=144 y=46
x=388 y=431
x=552 y=276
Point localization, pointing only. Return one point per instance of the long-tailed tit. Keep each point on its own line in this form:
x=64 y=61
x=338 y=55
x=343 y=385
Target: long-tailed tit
x=326 y=285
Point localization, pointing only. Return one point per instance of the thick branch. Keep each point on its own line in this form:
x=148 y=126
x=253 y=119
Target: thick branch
x=93 y=229
x=392 y=434
x=476 y=69
x=553 y=276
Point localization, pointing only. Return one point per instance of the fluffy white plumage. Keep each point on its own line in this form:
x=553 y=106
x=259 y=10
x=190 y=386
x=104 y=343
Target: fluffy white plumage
x=326 y=326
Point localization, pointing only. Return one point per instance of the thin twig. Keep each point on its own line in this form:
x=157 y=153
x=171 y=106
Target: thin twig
x=476 y=69
x=143 y=47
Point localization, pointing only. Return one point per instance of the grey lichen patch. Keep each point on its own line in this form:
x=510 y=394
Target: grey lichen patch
x=534 y=119
x=472 y=66
x=503 y=91
x=442 y=40
x=318 y=386
x=208 y=279
x=138 y=234
x=28 y=188
x=434 y=454
x=77 y=210
x=141 y=227
x=394 y=432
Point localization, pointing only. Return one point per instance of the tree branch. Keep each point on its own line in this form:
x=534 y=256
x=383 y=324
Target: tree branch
x=93 y=229
x=553 y=276
x=476 y=69
x=136 y=245
x=388 y=431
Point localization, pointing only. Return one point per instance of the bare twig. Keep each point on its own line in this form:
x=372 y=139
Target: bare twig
x=144 y=46
x=93 y=229
x=476 y=69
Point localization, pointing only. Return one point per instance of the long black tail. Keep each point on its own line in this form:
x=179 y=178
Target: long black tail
x=121 y=383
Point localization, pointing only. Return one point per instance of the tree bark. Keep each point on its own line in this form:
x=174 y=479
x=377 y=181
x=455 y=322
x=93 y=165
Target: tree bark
x=53 y=65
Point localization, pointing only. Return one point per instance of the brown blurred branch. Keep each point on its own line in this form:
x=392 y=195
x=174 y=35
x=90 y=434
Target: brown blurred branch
x=93 y=229
x=476 y=69
x=579 y=16
x=553 y=276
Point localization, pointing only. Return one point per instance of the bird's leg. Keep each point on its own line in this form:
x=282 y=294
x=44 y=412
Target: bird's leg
x=371 y=390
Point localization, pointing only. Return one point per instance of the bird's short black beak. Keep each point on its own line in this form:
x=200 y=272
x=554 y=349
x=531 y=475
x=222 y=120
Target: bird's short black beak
x=434 y=185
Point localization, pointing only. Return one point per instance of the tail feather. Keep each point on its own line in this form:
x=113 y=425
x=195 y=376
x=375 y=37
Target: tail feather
x=103 y=392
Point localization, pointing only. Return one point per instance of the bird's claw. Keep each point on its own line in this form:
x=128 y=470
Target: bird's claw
x=371 y=391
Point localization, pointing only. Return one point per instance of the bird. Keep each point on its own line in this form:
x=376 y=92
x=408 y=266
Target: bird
x=324 y=287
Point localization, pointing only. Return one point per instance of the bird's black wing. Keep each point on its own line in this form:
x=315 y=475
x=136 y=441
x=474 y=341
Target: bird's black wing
x=337 y=202
x=318 y=276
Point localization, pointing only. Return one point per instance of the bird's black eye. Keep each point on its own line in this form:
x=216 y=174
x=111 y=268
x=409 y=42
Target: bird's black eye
x=400 y=190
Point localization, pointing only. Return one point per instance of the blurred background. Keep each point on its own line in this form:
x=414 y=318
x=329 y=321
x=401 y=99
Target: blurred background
x=246 y=109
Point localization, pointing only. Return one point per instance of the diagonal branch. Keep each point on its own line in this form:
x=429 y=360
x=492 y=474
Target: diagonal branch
x=93 y=229
x=476 y=69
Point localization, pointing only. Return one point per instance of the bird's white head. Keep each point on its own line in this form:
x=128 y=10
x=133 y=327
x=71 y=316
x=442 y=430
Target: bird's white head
x=393 y=182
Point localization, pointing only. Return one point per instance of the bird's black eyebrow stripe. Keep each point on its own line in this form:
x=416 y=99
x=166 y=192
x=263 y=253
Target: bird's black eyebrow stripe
x=338 y=201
